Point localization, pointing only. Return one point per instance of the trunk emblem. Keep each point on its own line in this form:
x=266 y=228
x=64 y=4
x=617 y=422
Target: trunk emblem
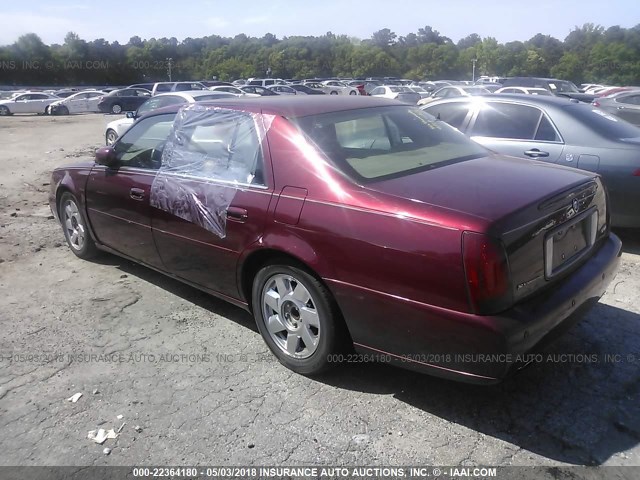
x=573 y=209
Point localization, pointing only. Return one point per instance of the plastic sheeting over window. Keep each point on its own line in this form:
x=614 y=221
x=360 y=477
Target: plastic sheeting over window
x=210 y=153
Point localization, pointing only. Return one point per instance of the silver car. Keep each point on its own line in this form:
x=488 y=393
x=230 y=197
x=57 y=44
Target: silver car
x=556 y=130
x=625 y=105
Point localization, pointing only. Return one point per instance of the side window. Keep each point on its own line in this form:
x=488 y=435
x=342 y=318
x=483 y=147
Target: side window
x=452 y=113
x=226 y=149
x=163 y=87
x=141 y=146
x=631 y=100
x=377 y=91
x=182 y=87
x=546 y=132
x=504 y=120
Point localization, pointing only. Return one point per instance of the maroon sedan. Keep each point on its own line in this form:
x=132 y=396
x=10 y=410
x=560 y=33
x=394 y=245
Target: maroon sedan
x=350 y=223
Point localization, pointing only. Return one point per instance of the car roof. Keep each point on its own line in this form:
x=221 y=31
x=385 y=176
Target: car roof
x=523 y=98
x=292 y=106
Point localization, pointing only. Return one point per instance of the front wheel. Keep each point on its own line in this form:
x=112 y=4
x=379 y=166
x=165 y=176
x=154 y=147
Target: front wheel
x=75 y=227
x=62 y=110
x=333 y=93
x=297 y=317
x=352 y=92
x=4 y=111
x=111 y=137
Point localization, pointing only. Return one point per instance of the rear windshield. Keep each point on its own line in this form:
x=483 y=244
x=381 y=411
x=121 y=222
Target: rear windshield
x=604 y=123
x=374 y=144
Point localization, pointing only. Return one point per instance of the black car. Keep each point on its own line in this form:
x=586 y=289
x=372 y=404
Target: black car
x=304 y=89
x=265 y=92
x=124 y=100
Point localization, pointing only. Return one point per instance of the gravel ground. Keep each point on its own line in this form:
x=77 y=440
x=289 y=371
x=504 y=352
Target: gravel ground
x=192 y=373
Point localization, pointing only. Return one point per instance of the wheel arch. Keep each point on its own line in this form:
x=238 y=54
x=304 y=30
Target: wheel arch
x=258 y=258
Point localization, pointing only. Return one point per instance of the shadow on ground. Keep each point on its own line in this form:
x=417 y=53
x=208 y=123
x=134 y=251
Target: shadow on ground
x=568 y=409
x=630 y=239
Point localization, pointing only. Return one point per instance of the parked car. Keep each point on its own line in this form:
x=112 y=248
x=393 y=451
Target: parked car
x=404 y=94
x=560 y=131
x=525 y=90
x=265 y=82
x=453 y=91
x=625 y=105
x=561 y=88
x=419 y=90
x=467 y=262
x=233 y=90
x=360 y=85
x=65 y=92
x=81 y=102
x=332 y=87
x=298 y=87
x=164 y=87
x=257 y=89
x=612 y=90
x=123 y=100
x=284 y=90
x=146 y=86
x=116 y=128
x=29 y=102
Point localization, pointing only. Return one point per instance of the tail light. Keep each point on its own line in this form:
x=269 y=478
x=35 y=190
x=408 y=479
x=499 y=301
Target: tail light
x=595 y=103
x=636 y=173
x=487 y=273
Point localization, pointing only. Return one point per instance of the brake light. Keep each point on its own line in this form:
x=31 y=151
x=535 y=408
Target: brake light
x=487 y=272
x=636 y=173
x=595 y=103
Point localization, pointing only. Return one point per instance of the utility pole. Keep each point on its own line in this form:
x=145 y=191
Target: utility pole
x=473 y=75
x=169 y=65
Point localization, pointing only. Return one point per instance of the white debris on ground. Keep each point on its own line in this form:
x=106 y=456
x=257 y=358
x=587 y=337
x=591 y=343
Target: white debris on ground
x=100 y=436
x=74 y=398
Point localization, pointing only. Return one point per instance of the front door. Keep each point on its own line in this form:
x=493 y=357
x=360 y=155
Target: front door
x=118 y=196
x=211 y=198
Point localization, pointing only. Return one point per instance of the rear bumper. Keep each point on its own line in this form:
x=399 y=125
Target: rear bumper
x=473 y=348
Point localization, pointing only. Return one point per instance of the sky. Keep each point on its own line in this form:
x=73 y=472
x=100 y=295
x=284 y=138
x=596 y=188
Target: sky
x=121 y=19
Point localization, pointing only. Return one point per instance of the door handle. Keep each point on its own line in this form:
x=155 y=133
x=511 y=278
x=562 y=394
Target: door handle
x=137 y=194
x=536 y=153
x=237 y=214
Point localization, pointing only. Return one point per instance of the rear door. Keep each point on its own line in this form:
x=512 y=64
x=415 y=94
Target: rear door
x=211 y=202
x=517 y=130
x=78 y=103
x=118 y=197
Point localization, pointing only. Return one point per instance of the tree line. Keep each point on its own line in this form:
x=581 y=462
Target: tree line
x=589 y=53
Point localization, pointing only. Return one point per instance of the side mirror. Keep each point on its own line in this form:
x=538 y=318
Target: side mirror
x=106 y=156
x=130 y=115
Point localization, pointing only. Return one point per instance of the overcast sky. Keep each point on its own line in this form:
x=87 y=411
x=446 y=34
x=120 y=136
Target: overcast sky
x=121 y=19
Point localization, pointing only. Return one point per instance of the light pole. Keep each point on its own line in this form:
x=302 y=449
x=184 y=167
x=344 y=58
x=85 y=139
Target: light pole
x=169 y=65
x=473 y=74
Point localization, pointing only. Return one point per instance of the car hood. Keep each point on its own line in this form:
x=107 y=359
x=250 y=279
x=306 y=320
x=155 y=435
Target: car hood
x=489 y=188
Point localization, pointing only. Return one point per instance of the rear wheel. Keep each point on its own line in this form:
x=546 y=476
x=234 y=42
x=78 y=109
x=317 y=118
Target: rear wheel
x=111 y=137
x=352 y=92
x=334 y=92
x=75 y=227
x=297 y=317
x=116 y=108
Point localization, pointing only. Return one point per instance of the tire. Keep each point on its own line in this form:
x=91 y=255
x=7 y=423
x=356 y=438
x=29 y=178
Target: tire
x=116 y=108
x=353 y=93
x=4 y=111
x=62 y=110
x=333 y=92
x=75 y=227
x=111 y=137
x=285 y=320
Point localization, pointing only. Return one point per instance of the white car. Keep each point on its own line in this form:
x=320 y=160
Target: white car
x=333 y=87
x=233 y=90
x=28 y=102
x=396 y=92
x=525 y=90
x=81 y=102
x=117 y=127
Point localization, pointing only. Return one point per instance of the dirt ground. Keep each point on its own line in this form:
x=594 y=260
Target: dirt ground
x=192 y=373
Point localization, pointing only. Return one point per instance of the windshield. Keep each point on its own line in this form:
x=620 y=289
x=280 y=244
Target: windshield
x=563 y=86
x=375 y=144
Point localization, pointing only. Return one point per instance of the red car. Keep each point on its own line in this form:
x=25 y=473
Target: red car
x=350 y=222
